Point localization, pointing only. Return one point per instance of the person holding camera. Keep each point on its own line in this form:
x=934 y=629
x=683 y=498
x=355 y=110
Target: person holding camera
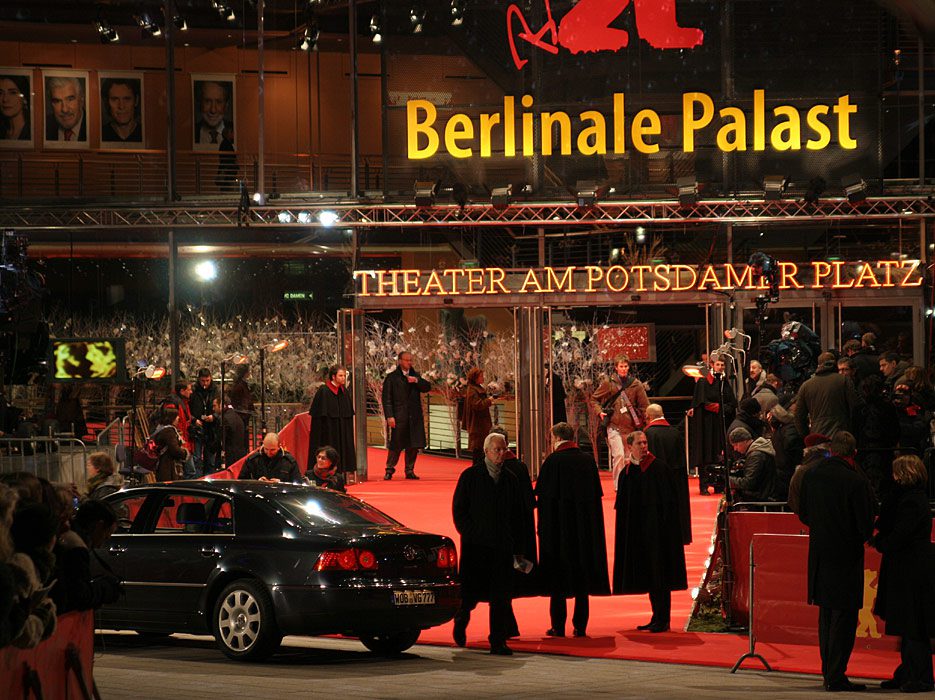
x=621 y=402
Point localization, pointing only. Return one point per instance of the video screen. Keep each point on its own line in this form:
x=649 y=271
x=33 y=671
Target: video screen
x=88 y=360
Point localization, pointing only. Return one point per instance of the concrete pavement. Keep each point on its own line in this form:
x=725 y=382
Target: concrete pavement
x=184 y=667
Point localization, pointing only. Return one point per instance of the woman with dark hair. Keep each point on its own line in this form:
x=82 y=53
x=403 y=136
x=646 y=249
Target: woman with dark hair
x=169 y=444
x=14 y=108
x=325 y=472
x=476 y=419
x=332 y=414
x=906 y=590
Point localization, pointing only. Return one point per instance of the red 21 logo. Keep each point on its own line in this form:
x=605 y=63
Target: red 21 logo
x=586 y=27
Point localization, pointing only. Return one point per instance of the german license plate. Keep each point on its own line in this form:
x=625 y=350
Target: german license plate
x=413 y=597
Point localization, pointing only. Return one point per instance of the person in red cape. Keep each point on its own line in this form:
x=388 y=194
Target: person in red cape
x=666 y=442
x=713 y=394
x=573 y=552
x=648 y=553
x=332 y=414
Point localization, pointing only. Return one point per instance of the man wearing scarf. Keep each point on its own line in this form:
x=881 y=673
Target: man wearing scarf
x=665 y=441
x=487 y=510
x=332 y=416
x=573 y=552
x=648 y=554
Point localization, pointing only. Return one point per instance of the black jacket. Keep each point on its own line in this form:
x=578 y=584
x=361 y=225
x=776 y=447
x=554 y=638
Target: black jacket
x=74 y=588
x=402 y=400
x=332 y=418
x=825 y=402
x=837 y=505
x=280 y=466
x=200 y=405
x=758 y=482
x=666 y=442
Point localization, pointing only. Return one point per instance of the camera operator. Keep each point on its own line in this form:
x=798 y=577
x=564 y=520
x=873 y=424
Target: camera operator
x=758 y=480
x=75 y=588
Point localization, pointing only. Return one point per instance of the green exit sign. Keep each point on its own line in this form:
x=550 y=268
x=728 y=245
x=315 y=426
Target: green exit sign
x=297 y=296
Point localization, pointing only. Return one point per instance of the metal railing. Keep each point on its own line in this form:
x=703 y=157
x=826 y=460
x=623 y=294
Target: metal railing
x=58 y=459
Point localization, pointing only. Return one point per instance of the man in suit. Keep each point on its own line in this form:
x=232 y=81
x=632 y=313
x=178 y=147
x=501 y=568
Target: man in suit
x=836 y=503
x=402 y=408
x=214 y=103
x=666 y=442
x=67 y=121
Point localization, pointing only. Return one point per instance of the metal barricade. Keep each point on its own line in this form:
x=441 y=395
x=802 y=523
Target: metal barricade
x=58 y=459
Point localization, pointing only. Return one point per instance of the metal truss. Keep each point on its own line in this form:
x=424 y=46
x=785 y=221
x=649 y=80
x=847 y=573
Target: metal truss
x=390 y=216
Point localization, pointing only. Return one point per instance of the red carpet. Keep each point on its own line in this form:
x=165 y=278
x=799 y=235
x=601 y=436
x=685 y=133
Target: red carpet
x=426 y=505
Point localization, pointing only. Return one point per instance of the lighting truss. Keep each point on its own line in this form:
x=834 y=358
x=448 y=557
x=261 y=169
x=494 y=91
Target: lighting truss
x=478 y=215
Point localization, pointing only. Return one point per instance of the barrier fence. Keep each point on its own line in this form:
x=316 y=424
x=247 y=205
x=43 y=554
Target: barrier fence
x=58 y=459
x=61 y=666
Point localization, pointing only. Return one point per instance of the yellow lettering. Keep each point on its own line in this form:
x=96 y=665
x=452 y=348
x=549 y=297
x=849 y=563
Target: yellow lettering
x=689 y=123
x=458 y=128
x=759 y=120
x=531 y=281
x=822 y=270
x=509 y=127
x=433 y=285
x=888 y=266
x=414 y=127
x=564 y=132
x=679 y=269
x=620 y=130
x=487 y=122
x=745 y=281
x=475 y=281
x=621 y=272
x=813 y=119
x=844 y=109
x=792 y=128
x=528 y=139
x=593 y=139
x=662 y=283
x=364 y=277
x=645 y=123
x=639 y=270
x=410 y=283
x=709 y=277
x=866 y=273
x=565 y=284
x=733 y=136
x=787 y=276
x=912 y=265
x=595 y=275
x=497 y=275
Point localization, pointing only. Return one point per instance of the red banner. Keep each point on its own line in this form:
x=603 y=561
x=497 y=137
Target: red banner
x=636 y=341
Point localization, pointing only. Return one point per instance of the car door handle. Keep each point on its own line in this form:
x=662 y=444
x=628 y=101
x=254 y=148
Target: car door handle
x=116 y=549
x=208 y=552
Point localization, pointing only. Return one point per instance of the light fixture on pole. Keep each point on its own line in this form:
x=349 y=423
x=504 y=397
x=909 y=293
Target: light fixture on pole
x=500 y=197
x=854 y=188
x=272 y=347
x=688 y=191
x=426 y=192
x=376 y=34
x=588 y=192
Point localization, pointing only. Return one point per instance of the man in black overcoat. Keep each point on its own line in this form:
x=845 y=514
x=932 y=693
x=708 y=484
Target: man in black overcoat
x=487 y=511
x=402 y=408
x=713 y=394
x=648 y=552
x=573 y=552
x=666 y=442
x=836 y=503
x=332 y=417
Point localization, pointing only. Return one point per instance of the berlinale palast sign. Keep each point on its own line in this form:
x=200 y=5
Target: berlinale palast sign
x=818 y=275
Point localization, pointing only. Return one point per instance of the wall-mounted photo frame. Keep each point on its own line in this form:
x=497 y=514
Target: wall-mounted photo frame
x=214 y=112
x=122 y=121
x=66 y=109
x=16 y=108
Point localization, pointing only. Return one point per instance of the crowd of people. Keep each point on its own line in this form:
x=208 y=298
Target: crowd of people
x=48 y=533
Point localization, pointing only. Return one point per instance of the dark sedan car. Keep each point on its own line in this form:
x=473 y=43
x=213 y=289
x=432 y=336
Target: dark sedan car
x=250 y=561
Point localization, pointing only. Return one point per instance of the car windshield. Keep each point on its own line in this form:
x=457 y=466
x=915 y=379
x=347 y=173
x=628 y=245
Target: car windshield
x=321 y=509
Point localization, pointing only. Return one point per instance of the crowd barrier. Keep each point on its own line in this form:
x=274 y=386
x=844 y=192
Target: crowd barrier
x=770 y=590
x=62 y=666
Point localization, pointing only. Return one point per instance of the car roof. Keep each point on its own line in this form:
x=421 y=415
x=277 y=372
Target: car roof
x=228 y=486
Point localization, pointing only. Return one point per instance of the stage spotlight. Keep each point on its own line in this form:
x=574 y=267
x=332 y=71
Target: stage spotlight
x=688 y=191
x=816 y=188
x=224 y=10
x=206 y=270
x=304 y=217
x=259 y=198
x=375 y=32
x=587 y=192
x=426 y=192
x=108 y=33
x=501 y=197
x=327 y=218
x=640 y=234
x=180 y=23
x=148 y=24
x=309 y=41
x=285 y=217
x=417 y=18
x=457 y=13
x=854 y=188
x=774 y=187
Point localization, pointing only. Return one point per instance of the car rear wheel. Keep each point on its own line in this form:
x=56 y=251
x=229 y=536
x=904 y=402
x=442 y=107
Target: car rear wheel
x=390 y=644
x=244 y=622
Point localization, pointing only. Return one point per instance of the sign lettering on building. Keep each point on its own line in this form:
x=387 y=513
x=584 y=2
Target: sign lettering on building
x=590 y=279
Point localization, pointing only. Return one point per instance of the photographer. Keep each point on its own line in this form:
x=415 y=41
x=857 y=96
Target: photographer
x=75 y=588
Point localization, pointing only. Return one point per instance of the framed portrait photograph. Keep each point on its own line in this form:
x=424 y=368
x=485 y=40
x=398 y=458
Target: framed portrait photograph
x=16 y=102
x=214 y=113
x=66 y=109
x=121 y=109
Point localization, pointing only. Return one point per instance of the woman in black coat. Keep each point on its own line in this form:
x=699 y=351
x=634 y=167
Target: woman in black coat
x=332 y=414
x=906 y=591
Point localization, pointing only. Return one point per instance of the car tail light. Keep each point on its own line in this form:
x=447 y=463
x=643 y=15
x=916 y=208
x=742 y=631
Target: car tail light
x=346 y=560
x=447 y=558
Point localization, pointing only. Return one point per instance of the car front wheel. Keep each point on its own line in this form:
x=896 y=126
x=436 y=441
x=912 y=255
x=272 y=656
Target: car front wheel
x=390 y=644
x=244 y=622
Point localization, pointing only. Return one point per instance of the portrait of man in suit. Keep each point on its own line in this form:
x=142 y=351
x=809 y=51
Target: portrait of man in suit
x=214 y=114
x=66 y=117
